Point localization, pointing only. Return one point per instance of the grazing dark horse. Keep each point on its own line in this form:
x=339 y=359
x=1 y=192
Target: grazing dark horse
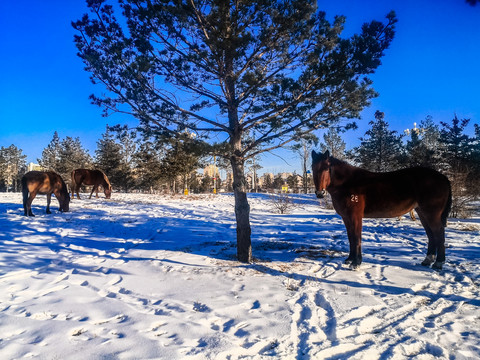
x=358 y=194
x=90 y=177
x=44 y=182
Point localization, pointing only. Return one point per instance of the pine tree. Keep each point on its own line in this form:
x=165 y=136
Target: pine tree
x=457 y=153
x=50 y=159
x=381 y=149
x=333 y=142
x=12 y=167
x=108 y=158
x=182 y=157
x=63 y=156
x=128 y=147
x=268 y=182
x=72 y=156
x=278 y=182
x=292 y=182
x=227 y=68
x=423 y=147
x=148 y=167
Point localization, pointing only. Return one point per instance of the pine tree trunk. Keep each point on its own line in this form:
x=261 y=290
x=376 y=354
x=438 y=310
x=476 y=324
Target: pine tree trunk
x=242 y=208
x=242 y=212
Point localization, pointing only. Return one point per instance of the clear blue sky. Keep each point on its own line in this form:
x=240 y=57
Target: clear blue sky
x=432 y=68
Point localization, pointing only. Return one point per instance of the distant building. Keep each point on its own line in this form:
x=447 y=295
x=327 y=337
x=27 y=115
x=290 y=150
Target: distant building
x=31 y=167
x=212 y=171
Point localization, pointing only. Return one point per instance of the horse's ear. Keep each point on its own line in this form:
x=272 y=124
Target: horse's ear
x=326 y=155
x=315 y=156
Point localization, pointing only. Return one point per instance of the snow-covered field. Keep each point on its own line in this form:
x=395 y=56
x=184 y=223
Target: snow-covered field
x=155 y=277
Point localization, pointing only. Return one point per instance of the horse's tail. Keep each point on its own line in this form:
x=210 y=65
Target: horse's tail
x=24 y=190
x=448 y=206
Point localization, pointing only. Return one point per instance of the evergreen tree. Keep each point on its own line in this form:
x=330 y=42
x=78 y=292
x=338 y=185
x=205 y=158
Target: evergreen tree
x=278 y=68
x=292 y=182
x=148 y=167
x=72 y=156
x=194 y=183
x=268 y=182
x=423 y=147
x=63 y=156
x=181 y=159
x=278 y=182
x=50 y=159
x=12 y=167
x=206 y=185
x=475 y=160
x=458 y=155
x=108 y=158
x=333 y=142
x=381 y=149
x=127 y=140
x=457 y=143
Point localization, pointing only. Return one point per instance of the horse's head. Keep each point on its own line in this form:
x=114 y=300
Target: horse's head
x=65 y=203
x=62 y=195
x=107 y=187
x=321 y=172
x=108 y=192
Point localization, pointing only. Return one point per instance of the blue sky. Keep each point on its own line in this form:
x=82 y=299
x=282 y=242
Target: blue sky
x=432 y=68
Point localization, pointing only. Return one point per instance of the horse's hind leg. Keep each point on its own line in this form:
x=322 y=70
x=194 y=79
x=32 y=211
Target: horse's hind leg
x=436 y=240
x=49 y=198
x=25 y=200
x=28 y=207
x=431 y=250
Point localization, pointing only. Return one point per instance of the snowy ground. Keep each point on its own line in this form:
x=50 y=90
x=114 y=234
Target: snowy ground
x=155 y=277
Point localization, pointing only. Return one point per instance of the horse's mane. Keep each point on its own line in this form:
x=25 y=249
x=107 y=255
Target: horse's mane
x=106 y=180
x=342 y=163
x=334 y=161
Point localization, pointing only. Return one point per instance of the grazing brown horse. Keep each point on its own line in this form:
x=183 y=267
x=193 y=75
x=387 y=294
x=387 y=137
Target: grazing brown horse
x=90 y=177
x=358 y=194
x=44 y=182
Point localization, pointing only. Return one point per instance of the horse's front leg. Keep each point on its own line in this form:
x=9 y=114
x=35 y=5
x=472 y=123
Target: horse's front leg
x=353 y=225
x=49 y=198
x=94 y=188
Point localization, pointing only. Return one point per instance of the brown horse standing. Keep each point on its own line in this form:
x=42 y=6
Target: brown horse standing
x=358 y=194
x=90 y=177
x=44 y=182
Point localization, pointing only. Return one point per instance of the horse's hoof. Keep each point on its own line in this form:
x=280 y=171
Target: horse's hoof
x=429 y=260
x=437 y=265
x=348 y=261
x=354 y=266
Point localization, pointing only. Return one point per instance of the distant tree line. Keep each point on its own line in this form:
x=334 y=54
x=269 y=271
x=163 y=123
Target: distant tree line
x=168 y=163
x=132 y=162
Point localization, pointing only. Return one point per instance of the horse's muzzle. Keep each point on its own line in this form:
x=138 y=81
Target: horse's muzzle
x=321 y=194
